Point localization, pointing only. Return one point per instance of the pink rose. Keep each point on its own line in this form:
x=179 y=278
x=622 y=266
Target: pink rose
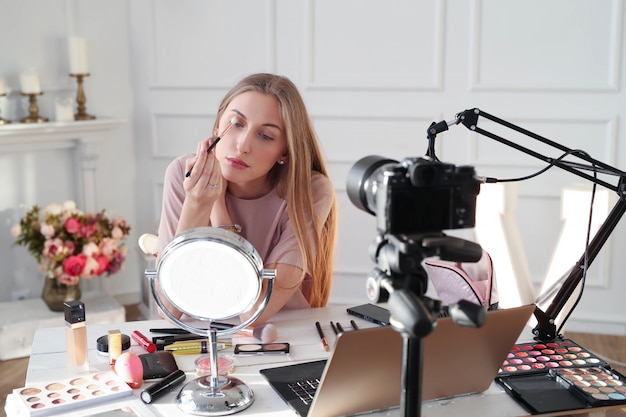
x=72 y=225
x=118 y=222
x=103 y=263
x=87 y=230
x=91 y=268
x=67 y=279
x=117 y=233
x=108 y=247
x=74 y=265
x=54 y=249
x=71 y=246
x=116 y=263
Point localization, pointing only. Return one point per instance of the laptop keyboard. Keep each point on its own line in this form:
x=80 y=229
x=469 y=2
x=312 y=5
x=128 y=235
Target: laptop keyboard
x=305 y=389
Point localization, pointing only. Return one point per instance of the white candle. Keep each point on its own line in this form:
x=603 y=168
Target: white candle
x=2 y=87
x=29 y=81
x=78 y=56
x=64 y=111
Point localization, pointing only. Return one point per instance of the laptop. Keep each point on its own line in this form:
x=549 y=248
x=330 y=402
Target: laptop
x=364 y=371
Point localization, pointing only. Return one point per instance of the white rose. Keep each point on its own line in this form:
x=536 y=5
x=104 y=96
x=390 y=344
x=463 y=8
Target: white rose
x=47 y=230
x=53 y=209
x=16 y=230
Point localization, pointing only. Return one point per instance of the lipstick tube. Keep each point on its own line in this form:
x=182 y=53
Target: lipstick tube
x=76 y=336
x=143 y=341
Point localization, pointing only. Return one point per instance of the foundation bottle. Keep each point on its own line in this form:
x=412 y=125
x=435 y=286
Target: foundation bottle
x=76 y=336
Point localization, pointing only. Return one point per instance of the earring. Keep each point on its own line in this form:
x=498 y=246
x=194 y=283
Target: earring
x=281 y=162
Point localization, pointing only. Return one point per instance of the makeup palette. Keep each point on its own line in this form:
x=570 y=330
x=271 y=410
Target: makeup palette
x=61 y=396
x=597 y=386
x=262 y=348
x=542 y=357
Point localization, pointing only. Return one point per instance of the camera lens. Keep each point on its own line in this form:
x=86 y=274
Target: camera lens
x=363 y=180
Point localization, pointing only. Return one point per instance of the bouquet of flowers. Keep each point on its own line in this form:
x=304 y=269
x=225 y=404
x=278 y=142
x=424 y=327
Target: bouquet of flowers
x=69 y=244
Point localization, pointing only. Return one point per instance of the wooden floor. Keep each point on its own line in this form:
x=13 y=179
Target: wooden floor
x=610 y=348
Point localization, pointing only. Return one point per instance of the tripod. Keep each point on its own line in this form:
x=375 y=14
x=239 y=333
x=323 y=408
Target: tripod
x=402 y=279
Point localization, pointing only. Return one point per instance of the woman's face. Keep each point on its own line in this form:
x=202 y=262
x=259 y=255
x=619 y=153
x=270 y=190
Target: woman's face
x=253 y=145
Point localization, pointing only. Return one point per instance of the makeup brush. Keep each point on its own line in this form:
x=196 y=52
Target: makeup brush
x=266 y=333
x=217 y=139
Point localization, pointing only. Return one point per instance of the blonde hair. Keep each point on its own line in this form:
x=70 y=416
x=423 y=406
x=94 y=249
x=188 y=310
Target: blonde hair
x=294 y=180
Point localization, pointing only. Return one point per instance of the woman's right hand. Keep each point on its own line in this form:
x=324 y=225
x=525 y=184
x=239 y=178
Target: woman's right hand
x=203 y=187
x=205 y=183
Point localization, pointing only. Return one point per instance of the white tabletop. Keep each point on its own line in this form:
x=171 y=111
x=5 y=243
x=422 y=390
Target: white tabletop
x=48 y=362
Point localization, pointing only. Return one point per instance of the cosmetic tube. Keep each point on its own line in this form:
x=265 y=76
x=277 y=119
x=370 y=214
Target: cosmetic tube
x=76 y=336
x=157 y=389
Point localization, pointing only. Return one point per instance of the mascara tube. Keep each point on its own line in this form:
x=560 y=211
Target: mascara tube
x=157 y=389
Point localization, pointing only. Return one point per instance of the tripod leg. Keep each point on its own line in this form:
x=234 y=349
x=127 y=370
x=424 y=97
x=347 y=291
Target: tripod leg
x=411 y=401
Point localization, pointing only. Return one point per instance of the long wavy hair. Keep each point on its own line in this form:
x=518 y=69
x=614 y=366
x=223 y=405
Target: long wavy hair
x=294 y=179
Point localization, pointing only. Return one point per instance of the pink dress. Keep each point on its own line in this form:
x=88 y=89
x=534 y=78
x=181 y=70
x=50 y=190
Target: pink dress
x=264 y=221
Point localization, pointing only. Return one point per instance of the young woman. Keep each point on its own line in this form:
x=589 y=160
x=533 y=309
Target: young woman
x=266 y=175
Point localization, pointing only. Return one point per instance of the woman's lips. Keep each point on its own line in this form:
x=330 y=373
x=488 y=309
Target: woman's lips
x=237 y=163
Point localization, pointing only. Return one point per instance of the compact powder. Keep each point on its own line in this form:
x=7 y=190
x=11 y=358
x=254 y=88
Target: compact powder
x=225 y=365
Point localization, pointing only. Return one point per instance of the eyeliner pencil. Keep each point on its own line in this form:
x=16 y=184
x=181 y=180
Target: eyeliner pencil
x=321 y=333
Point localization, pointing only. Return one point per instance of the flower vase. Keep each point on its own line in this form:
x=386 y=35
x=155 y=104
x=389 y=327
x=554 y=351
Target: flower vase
x=56 y=293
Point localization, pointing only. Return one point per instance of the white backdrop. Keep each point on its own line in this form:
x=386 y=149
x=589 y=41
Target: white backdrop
x=374 y=75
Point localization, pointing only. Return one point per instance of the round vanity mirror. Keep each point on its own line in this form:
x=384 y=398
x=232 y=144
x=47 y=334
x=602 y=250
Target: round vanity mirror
x=211 y=274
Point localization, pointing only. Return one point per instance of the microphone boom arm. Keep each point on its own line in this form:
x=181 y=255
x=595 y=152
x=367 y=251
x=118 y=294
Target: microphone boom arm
x=546 y=326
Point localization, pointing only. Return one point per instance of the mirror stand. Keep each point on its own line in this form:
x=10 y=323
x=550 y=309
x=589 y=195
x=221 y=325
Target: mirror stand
x=211 y=274
x=214 y=394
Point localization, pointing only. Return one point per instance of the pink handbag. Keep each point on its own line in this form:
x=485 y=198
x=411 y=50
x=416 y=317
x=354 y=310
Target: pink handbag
x=471 y=281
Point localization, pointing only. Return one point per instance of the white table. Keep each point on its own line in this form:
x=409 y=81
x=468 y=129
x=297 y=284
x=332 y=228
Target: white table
x=48 y=363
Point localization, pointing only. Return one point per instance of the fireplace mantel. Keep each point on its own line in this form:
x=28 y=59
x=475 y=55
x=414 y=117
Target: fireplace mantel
x=82 y=137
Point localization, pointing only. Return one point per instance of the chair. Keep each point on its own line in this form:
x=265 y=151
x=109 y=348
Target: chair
x=147 y=244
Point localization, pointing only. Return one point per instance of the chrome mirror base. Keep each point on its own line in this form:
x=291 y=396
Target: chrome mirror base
x=230 y=396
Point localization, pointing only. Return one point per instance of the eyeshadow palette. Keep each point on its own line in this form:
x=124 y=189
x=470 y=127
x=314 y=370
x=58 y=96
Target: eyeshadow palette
x=262 y=348
x=60 y=396
x=597 y=386
x=542 y=357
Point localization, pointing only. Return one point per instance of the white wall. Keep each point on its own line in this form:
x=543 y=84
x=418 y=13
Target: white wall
x=374 y=75
x=34 y=34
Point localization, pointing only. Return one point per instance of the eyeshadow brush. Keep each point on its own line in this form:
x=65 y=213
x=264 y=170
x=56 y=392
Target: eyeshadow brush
x=217 y=139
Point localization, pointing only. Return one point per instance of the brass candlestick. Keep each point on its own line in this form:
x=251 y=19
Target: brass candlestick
x=81 y=99
x=4 y=121
x=33 y=109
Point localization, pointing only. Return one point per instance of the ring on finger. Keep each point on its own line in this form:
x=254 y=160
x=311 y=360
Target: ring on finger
x=214 y=186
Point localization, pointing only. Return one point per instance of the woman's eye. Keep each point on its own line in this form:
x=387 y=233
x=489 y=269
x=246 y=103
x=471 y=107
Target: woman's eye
x=266 y=137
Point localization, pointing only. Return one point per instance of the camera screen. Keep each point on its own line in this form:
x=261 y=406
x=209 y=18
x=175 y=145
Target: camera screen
x=420 y=210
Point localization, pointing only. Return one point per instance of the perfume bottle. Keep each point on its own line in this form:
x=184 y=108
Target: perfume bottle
x=76 y=336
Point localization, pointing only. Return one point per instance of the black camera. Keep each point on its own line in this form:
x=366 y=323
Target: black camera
x=414 y=196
